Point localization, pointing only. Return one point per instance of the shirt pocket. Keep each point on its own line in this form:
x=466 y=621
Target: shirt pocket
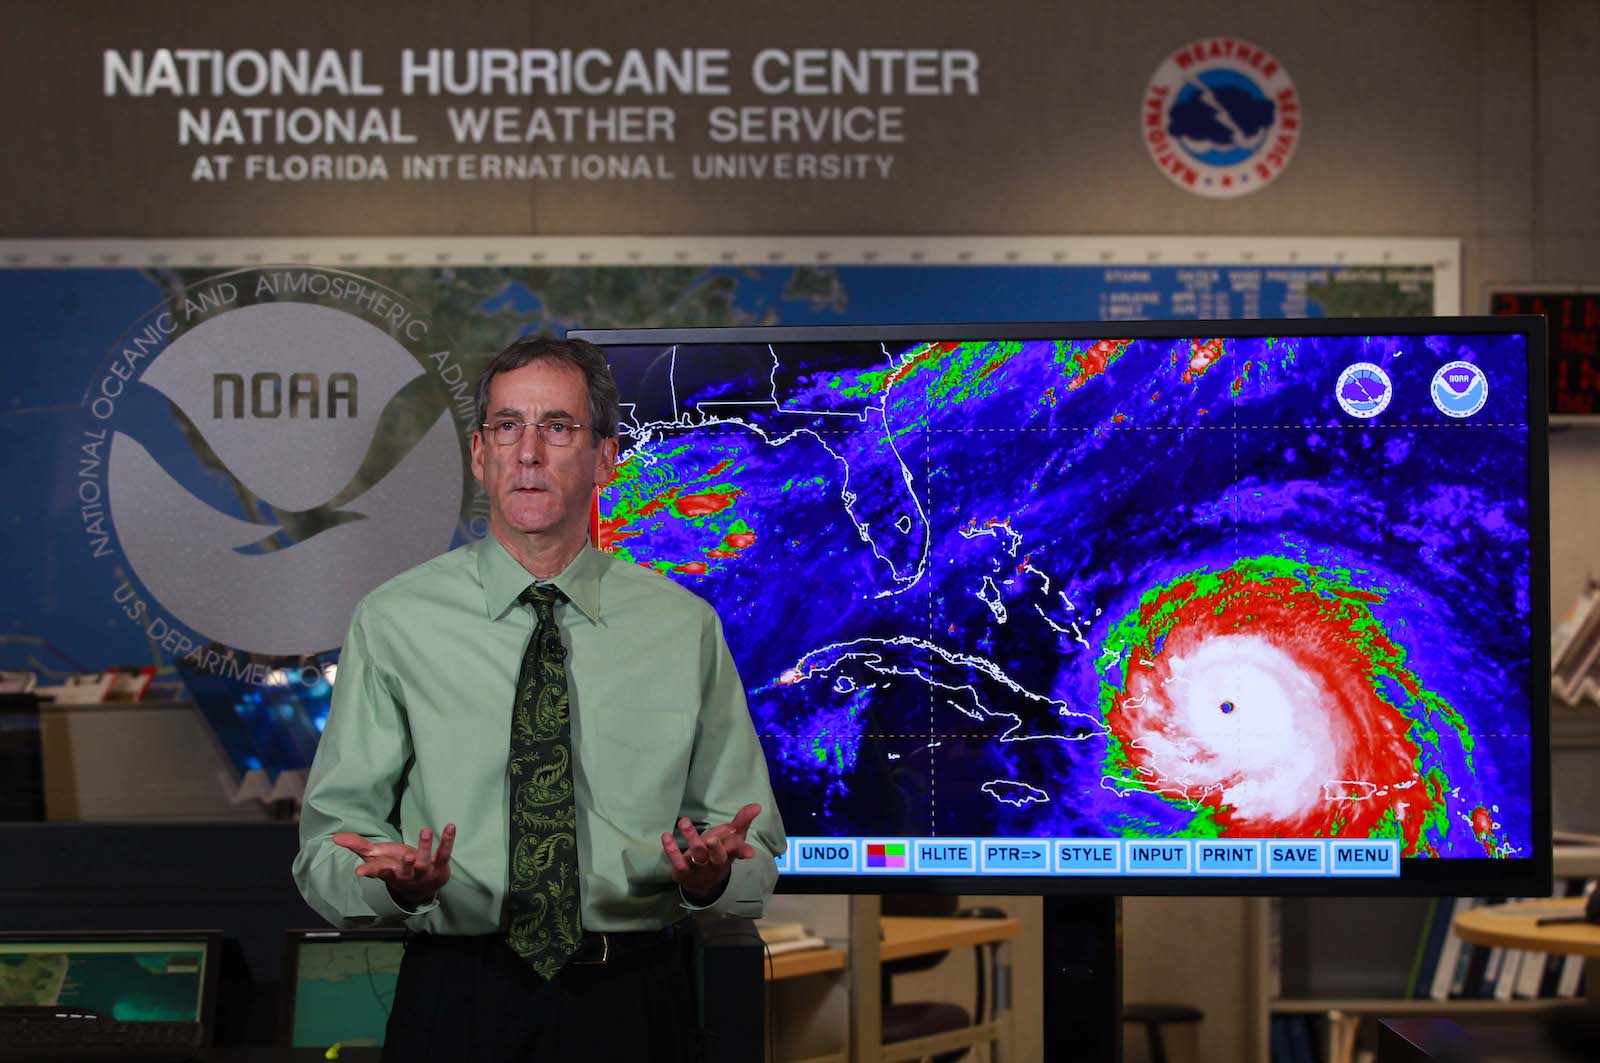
x=637 y=765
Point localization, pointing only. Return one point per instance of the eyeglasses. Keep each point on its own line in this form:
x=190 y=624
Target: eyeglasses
x=505 y=432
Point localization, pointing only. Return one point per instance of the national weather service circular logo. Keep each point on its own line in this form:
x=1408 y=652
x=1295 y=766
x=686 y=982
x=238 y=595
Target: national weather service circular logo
x=1363 y=390
x=262 y=449
x=1459 y=389
x=1221 y=117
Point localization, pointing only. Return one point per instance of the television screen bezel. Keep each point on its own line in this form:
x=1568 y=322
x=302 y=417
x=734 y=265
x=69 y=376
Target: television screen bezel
x=1419 y=877
x=289 y=985
x=210 y=939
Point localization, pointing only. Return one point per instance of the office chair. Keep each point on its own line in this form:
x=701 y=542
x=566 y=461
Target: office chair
x=923 y=1018
x=1153 y=1017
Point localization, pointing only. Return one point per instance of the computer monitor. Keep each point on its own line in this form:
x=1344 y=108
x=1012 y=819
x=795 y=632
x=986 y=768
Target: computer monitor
x=1142 y=607
x=123 y=975
x=338 y=989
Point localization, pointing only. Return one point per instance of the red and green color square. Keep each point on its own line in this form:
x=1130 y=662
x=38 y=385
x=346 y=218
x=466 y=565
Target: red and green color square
x=887 y=854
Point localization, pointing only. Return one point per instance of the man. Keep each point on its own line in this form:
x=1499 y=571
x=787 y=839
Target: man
x=516 y=728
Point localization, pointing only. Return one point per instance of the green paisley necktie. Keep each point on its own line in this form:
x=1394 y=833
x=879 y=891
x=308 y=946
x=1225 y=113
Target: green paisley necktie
x=543 y=923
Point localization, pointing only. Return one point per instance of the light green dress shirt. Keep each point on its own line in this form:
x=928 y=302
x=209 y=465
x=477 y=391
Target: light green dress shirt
x=420 y=728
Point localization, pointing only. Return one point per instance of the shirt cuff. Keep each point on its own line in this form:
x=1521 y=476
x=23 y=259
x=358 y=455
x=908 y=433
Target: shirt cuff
x=744 y=893
x=685 y=902
x=375 y=892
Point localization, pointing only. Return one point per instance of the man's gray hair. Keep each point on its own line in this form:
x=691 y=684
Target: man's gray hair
x=604 y=400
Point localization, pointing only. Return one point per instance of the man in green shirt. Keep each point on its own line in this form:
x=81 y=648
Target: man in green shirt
x=557 y=712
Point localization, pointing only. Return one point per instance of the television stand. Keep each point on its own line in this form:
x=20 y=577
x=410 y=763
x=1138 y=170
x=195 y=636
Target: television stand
x=1082 y=979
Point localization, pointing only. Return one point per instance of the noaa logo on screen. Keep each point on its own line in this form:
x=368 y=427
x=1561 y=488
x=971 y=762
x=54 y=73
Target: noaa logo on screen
x=1221 y=117
x=263 y=449
x=1363 y=390
x=1459 y=389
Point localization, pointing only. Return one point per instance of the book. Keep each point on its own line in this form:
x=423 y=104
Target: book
x=1278 y=1029
x=1419 y=956
x=1435 y=930
x=1505 y=982
x=1451 y=955
x=1340 y=1046
x=1570 y=983
x=1302 y=1049
x=775 y=933
x=1470 y=984
x=1529 y=975
x=805 y=944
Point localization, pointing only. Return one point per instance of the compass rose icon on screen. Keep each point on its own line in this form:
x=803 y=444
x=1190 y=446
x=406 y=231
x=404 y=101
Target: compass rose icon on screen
x=1363 y=390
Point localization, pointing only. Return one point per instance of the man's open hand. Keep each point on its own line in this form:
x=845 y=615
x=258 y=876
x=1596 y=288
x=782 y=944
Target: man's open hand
x=702 y=869
x=413 y=875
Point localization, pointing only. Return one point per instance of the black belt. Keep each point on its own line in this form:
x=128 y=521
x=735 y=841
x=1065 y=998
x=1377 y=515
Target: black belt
x=595 y=948
x=610 y=946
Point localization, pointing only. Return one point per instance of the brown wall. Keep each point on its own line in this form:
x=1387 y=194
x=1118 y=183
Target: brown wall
x=1427 y=119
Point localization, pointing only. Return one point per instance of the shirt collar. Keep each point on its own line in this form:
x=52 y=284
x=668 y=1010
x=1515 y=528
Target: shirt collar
x=504 y=578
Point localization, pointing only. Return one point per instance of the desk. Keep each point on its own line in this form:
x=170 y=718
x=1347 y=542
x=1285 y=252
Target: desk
x=808 y=1006
x=811 y=961
x=917 y=936
x=1516 y=926
x=902 y=936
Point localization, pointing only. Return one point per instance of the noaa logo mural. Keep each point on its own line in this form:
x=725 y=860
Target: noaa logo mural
x=1221 y=117
x=272 y=444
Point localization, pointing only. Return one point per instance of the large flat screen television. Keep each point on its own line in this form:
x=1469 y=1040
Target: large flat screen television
x=1167 y=607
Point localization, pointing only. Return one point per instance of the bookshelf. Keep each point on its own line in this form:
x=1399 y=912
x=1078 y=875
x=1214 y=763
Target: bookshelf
x=1369 y=946
x=1380 y=1007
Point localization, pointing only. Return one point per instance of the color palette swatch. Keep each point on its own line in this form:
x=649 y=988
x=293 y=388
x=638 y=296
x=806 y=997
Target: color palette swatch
x=888 y=854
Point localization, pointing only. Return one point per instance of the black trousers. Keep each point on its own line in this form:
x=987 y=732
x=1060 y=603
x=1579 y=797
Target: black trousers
x=474 y=1000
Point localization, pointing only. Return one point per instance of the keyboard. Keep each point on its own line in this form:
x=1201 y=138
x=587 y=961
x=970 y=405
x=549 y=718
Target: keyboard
x=49 y=1035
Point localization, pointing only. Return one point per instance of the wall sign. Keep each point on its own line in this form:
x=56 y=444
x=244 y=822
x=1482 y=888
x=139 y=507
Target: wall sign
x=1221 y=117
